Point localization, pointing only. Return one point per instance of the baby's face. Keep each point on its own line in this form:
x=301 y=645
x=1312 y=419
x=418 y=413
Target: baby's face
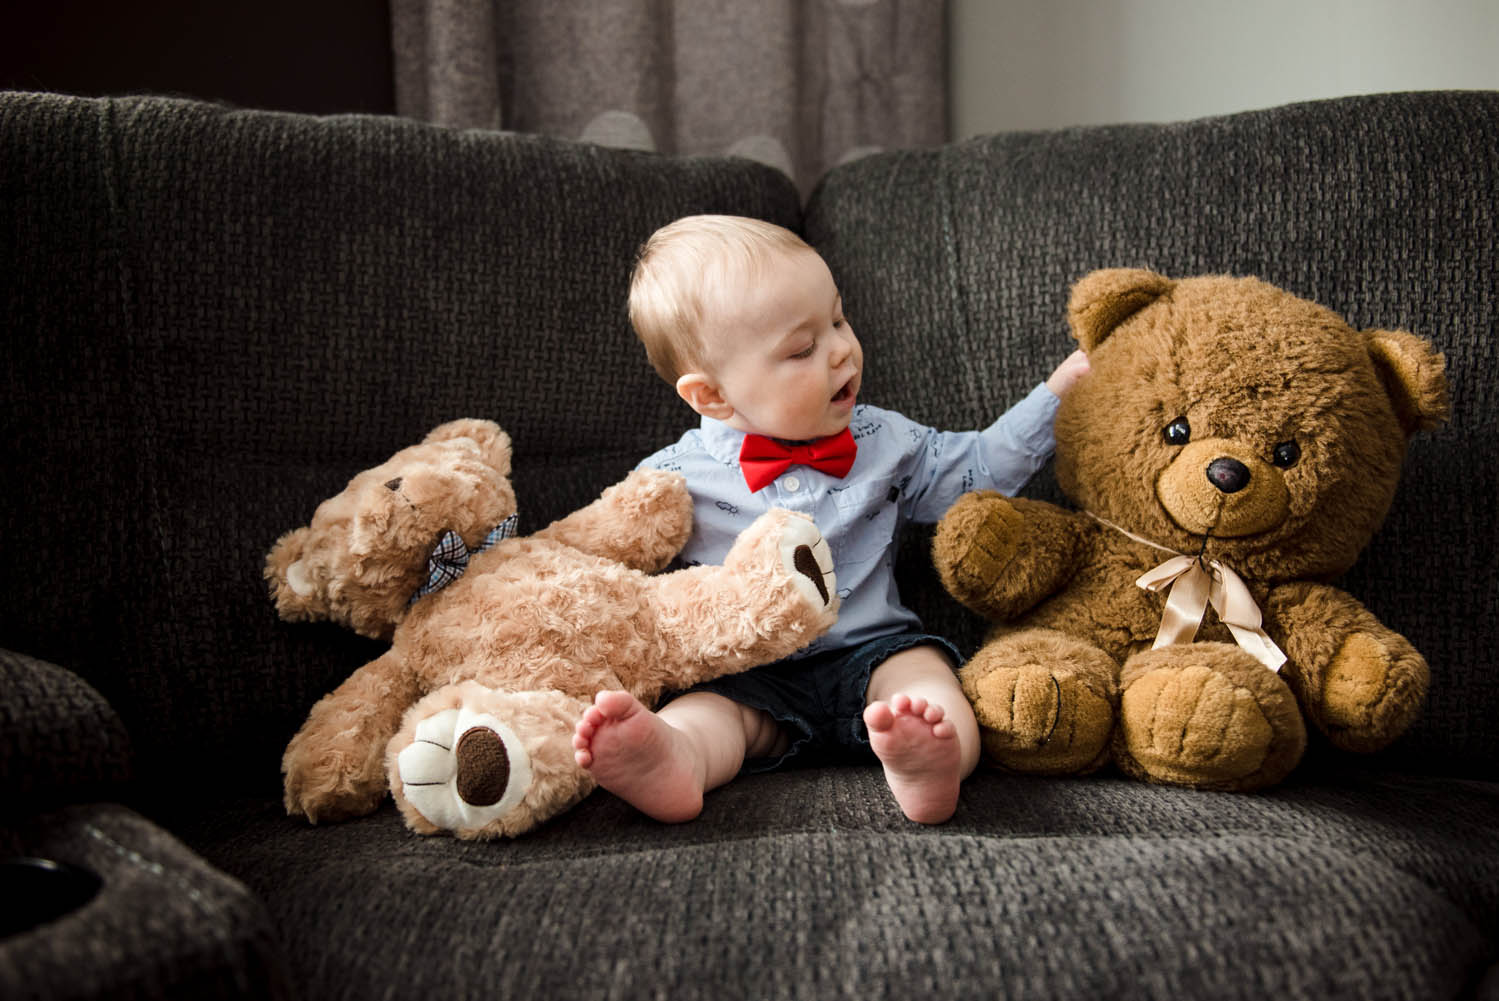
x=783 y=356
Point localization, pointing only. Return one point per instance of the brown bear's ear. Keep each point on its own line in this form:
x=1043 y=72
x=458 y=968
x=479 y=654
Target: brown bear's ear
x=1414 y=374
x=1104 y=299
x=494 y=444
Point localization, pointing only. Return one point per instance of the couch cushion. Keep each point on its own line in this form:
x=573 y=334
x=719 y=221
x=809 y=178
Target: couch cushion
x=810 y=884
x=215 y=317
x=955 y=266
x=162 y=924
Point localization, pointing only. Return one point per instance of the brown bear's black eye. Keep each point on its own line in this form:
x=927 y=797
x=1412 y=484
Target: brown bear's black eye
x=1286 y=454
x=1178 y=432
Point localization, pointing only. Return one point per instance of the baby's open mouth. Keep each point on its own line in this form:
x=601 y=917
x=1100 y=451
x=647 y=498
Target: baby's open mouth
x=845 y=393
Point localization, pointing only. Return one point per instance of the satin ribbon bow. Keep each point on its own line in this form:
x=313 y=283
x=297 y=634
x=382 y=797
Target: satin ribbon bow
x=449 y=559
x=1194 y=585
x=763 y=459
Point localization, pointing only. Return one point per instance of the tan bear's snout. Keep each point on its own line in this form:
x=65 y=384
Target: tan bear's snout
x=1214 y=487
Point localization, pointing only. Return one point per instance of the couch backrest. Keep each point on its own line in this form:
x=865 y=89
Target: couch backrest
x=215 y=317
x=955 y=265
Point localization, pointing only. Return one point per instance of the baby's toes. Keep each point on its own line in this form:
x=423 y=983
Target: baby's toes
x=878 y=717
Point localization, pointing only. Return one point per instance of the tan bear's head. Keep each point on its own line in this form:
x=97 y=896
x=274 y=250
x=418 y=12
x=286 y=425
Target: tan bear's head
x=365 y=553
x=1229 y=417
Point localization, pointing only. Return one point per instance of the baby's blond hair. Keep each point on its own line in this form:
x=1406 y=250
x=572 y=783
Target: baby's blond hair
x=682 y=274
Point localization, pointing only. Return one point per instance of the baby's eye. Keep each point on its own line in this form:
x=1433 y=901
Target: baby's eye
x=805 y=352
x=838 y=322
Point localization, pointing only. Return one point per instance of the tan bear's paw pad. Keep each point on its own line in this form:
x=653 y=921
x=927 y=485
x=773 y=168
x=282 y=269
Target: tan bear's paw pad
x=463 y=769
x=808 y=561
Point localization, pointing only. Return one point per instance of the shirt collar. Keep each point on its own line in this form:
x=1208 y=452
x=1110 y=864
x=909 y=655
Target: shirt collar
x=722 y=441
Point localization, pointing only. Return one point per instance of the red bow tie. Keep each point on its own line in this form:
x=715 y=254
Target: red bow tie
x=763 y=459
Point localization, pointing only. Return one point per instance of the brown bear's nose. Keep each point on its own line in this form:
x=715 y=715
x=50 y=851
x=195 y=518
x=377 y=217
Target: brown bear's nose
x=1228 y=475
x=394 y=484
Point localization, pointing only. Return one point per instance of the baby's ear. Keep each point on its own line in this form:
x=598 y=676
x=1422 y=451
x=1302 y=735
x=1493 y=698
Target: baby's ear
x=1104 y=299
x=292 y=586
x=1414 y=374
x=702 y=394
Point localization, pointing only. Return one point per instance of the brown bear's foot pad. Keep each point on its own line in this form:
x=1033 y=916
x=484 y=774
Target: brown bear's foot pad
x=463 y=769
x=1045 y=702
x=1206 y=715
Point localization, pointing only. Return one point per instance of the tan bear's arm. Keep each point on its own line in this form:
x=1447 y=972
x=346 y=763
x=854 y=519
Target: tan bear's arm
x=335 y=766
x=642 y=521
x=1361 y=682
x=1001 y=556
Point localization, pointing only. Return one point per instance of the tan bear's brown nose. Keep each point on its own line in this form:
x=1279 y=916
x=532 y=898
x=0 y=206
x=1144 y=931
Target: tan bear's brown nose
x=483 y=767
x=1228 y=475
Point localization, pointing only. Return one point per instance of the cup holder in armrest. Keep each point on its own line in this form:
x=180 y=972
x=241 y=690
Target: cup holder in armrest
x=34 y=891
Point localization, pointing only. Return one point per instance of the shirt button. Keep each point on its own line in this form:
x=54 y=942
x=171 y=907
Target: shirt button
x=791 y=484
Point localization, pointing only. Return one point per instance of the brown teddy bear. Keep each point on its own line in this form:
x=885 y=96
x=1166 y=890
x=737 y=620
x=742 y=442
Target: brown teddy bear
x=1232 y=448
x=498 y=643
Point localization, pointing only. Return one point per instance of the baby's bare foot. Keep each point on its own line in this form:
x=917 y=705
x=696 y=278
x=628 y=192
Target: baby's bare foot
x=639 y=757
x=919 y=748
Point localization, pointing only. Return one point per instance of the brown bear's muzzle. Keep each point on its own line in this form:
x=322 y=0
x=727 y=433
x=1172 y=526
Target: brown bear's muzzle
x=1217 y=487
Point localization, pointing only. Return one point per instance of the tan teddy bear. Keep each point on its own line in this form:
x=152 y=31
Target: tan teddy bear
x=1232 y=448
x=498 y=643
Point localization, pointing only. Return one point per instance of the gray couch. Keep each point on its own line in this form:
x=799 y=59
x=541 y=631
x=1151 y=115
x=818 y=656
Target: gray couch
x=214 y=317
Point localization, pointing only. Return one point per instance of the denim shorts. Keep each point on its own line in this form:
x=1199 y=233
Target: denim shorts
x=819 y=699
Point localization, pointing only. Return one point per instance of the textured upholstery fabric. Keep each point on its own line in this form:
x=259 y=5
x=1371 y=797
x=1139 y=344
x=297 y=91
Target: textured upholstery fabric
x=955 y=265
x=215 y=317
x=809 y=884
x=60 y=742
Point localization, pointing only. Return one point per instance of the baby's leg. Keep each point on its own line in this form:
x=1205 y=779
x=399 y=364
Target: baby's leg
x=662 y=763
x=923 y=731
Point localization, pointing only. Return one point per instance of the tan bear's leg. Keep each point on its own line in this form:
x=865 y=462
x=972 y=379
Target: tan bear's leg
x=480 y=763
x=1206 y=715
x=1045 y=701
x=775 y=593
x=334 y=767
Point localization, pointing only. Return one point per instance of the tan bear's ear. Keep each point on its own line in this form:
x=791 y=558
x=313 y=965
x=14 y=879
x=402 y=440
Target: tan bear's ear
x=1104 y=299
x=1414 y=374
x=292 y=589
x=494 y=444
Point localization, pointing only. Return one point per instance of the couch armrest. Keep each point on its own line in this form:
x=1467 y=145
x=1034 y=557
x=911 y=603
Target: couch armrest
x=163 y=923
x=60 y=740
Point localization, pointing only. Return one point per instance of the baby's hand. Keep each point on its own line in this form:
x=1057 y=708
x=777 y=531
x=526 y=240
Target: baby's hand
x=1073 y=368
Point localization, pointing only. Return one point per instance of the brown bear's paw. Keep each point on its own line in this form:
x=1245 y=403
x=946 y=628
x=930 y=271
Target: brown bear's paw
x=1206 y=715
x=1045 y=702
x=786 y=551
x=974 y=544
x=1371 y=692
x=480 y=763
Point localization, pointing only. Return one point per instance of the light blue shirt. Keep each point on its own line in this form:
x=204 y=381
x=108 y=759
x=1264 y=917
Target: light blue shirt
x=904 y=471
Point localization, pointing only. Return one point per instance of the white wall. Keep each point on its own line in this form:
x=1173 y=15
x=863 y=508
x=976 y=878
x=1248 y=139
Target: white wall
x=1024 y=64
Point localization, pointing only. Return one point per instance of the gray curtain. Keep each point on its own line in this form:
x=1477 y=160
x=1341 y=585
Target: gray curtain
x=800 y=84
